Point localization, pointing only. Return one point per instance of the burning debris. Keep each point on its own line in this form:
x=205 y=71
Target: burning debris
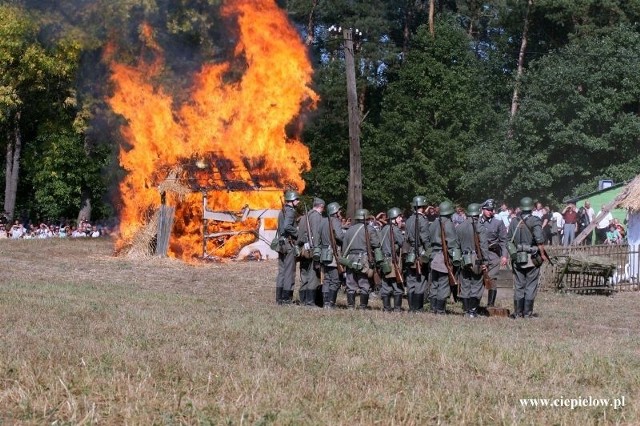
x=228 y=143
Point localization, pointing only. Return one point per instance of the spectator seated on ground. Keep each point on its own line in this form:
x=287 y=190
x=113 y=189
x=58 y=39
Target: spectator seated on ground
x=613 y=235
x=3 y=231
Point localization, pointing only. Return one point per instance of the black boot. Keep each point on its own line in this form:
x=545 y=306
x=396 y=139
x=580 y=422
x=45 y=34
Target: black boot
x=364 y=300
x=286 y=296
x=472 y=304
x=432 y=303
x=351 y=300
x=310 y=302
x=397 y=299
x=465 y=306
x=419 y=302
x=441 y=306
x=386 y=303
x=302 y=296
x=333 y=296
x=410 y=301
x=326 y=301
x=279 y=295
x=528 y=309
x=491 y=297
x=518 y=308
x=318 y=297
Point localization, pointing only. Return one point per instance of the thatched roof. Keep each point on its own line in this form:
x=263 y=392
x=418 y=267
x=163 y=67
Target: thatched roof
x=632 y=198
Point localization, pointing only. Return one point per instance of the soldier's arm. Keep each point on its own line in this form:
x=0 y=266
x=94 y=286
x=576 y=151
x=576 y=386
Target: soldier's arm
x=398 y=237
x=374 y=237
x=290 y=227
x=451 y=236
x=425 y=236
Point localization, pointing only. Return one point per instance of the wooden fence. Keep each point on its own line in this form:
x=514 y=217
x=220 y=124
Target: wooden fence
x=595 y=269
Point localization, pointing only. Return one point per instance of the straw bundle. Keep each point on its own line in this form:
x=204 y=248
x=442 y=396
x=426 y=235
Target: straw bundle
x=632 y=199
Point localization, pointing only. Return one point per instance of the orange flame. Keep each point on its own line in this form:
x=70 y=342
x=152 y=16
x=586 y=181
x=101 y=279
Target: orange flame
x=242 y=122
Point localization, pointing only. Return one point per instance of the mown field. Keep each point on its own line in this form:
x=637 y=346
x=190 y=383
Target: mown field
x=88 y=338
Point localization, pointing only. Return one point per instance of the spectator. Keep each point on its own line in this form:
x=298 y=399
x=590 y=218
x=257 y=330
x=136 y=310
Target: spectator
x=556 y=231
x=589 y=210
x=620 y=228
x=505 y=214
x=539 y=210
x=3 y=231
x=613 y=235
x=459 y=216
x=94 y=232
x=17 y=230
x=583 y=219
x=570 y=217
x=603 y=225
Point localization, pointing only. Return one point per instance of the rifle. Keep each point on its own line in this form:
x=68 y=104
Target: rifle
x=445 y=252
x=334 y=247
x=376 y=276
x=310 y=245
x=486 y=279
x=416 y=246
x=394 y=256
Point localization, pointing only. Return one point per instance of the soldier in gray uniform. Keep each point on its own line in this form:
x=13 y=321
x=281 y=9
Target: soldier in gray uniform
x=496 y=233
x=440 y=271
x=525 y=232
x=310 y=249
x=329 y=255
x=473 y=243
x=360 y=269
x=288 y=232
x=390 y=281
x=417 y=248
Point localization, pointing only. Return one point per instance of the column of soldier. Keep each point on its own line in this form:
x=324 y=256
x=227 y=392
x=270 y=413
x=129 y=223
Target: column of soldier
x=424 y=261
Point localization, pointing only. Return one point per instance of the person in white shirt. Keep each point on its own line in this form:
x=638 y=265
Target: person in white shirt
x=557 y=237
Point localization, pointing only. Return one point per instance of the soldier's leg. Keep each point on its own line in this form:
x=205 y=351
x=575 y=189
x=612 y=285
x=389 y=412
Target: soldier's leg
x=465 y=287
x=443 y=292
x=386 y=290
x=519 y=282
x=365 y=286
x=305 y=276
x=280 y=279
x=494 y=270
x=330 y=285
x=420 y=289
x=531 y=290
x=433 y=276
x=352 y=286
x=476 y=288
x=397 y=294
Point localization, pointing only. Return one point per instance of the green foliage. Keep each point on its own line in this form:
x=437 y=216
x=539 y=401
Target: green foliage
x=579 y=119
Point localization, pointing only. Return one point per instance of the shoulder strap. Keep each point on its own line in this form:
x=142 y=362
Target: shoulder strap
x=346 y=252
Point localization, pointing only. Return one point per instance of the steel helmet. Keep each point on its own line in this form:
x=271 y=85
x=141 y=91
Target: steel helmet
x=446 y=208
x=419 y=201
x=333 y=208
x=290 y=195
x=361 y=214
x=473 y=209
x=526 y=204
x=393 y=213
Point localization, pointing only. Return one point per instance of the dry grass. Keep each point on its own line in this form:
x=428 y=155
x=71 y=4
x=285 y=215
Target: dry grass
x=89 y=338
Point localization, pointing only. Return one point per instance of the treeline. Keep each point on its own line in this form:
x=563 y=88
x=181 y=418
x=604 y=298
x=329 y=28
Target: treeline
x=463 y=99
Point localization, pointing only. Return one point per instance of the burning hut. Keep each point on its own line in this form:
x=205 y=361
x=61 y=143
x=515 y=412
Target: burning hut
x=232 y=139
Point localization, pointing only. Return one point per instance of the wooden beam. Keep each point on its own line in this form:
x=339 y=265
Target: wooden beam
x=605 y=209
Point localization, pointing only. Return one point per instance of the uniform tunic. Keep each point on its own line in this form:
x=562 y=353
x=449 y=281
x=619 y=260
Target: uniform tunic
x=440 y=287
x=354 y=246
x=286 y=257
x=417 y=283
x=331 y=280
x=309 y=270
x=496 y=234
x=471 y=278
x=389 y=285
x=526 y=231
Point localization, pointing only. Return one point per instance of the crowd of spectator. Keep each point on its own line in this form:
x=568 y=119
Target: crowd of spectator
x=29 y=230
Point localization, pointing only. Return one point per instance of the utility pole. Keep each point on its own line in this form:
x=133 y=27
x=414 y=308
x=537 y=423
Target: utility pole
x=354 y=196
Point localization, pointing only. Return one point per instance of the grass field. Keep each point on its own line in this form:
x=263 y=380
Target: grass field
x=92 y=339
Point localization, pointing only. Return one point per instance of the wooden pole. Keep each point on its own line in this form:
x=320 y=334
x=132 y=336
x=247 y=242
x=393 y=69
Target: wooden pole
x=354 y=196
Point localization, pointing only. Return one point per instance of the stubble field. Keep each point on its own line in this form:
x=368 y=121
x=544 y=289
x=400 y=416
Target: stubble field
x=88 y=338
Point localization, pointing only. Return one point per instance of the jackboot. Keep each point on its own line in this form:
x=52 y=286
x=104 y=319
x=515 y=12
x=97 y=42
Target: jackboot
x=279 y=295
x=441 y=306
x=528 y=309
x=397 y=301
x=326 y=301
x=351 y=300
x=302 y=296
x=333 y=296
x=364 y=300
x=410 y=301
x=491 y=297
x=419 y=297
x=432 y=301
x=465 y=306
x=310 y=302
x=386 y=303
x=287 y=296
x=518 y=308
x=472 y=304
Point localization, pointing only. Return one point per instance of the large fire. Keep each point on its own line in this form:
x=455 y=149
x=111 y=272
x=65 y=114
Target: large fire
x=242 y=123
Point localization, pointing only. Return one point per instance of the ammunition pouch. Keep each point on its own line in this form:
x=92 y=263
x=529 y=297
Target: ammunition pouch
x=470 y=261
x=326 y=255
x=317 y=252
x=410 y=259
x=537 y=260
x=386 y=266
x=456 y=256
x=512 y=249
x=305 y=252
x=522 y=258
x=425 y=255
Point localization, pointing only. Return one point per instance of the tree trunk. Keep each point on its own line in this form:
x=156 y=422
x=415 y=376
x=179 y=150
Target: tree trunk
x=432 y=12
x=311 y=25
x=523 y=48
x=354 y=197
x=14 y=149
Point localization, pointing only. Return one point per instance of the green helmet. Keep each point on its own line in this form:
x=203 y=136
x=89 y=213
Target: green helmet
x=290 y=195
x=333 y=208
x=526 y=204
x=446 y=208
x=473 y=209
x=419 y=201
x=361 y=214
x=393 y=213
